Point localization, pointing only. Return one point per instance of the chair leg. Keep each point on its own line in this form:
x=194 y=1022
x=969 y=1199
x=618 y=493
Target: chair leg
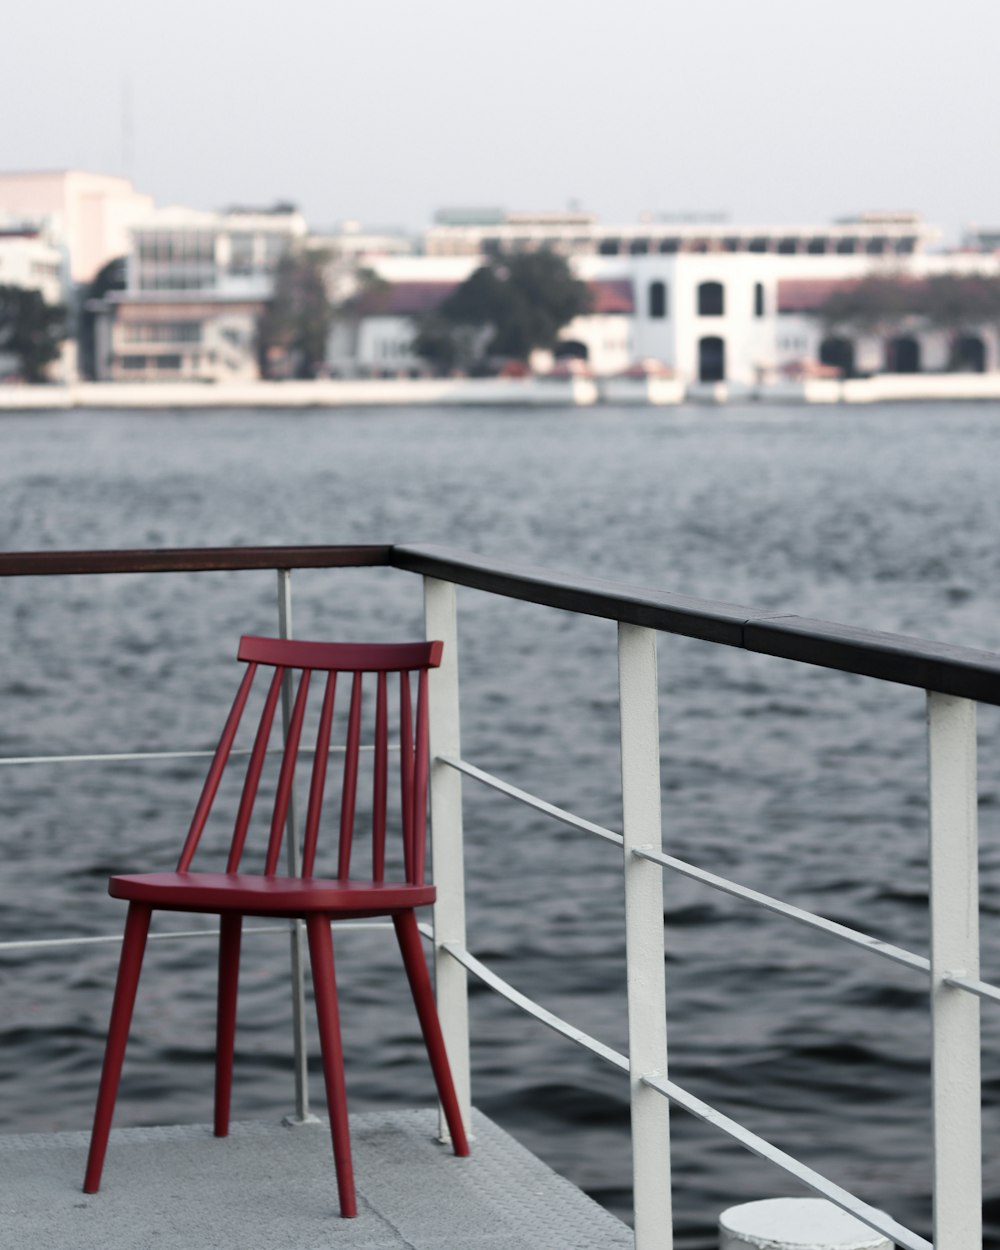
x=231 y=928
x=412 y=951
x=328 y=1015
x=129 y=967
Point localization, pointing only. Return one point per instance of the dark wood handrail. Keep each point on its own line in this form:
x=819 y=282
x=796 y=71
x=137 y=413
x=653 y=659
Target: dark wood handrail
x=189 y=559
x=961 y=671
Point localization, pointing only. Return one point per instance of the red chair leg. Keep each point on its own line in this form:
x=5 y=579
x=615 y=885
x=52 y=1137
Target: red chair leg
x=412 y=951
x=129 y=967
x=328 y=1015
x=231 y=928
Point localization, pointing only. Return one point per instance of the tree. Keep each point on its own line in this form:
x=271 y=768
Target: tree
x=368 y=291
x=292 y=330
x=30 y=330
x=506 y=309
x=110 y=277
x=875 y=305
x=960 y=304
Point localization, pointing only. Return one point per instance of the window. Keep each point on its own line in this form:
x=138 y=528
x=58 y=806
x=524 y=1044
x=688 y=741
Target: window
x=163 y=332
x=711 y=360
x=241 y=254
x=711 y=300
x=657 y=300
x=758 y=299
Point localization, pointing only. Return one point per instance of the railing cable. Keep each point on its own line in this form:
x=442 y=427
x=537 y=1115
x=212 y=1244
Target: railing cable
x=875 y=945
x=904 y=1238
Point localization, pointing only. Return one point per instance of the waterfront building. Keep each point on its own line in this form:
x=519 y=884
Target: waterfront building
x=31 y=258
x=90 y=215
x=708 y=301
x=196 y=283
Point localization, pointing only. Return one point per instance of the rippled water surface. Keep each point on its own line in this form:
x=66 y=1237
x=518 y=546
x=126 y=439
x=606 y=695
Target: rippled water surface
x=806 y=784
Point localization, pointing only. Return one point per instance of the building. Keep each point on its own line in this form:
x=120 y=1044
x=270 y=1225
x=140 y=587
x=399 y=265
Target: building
x=708 y=301
x=196 y=283
x=30 y=258
x=90 y=215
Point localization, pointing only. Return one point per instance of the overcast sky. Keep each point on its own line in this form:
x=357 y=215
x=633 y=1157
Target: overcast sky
x=383 y=110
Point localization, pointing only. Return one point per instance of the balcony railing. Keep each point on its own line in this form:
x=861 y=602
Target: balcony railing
x=954 y=678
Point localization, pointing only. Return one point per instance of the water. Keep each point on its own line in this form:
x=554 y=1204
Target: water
x=807 y=784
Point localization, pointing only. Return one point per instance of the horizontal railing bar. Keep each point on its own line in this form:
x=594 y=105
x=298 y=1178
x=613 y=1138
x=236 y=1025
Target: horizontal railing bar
x=875 y=945
x=552 y=1021
x=961 y=671
x=190 y=559
x=530 y=800
x=132 y=756
x=903 y=1237
x=973 y=985
x=37 y=943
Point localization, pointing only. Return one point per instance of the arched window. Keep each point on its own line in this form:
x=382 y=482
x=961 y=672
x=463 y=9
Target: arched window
x=902 y=355
x=838 y=352
x=571 y=349
x=657 y=300
x=711 y=360
x=711 y=300
x=968 y=354
x=758 y=299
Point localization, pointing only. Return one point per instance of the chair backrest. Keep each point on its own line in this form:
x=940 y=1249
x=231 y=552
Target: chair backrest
x=287 y=657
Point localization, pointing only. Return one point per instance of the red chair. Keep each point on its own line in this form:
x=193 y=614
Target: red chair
x=318 y=901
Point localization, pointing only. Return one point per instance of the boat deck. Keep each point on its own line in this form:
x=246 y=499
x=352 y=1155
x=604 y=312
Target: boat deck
x=268 y=1187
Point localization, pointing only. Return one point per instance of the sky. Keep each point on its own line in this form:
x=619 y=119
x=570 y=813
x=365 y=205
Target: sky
x=770 y=111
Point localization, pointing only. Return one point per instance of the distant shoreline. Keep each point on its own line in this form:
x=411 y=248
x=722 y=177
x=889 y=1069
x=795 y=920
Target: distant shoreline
x=573 y=391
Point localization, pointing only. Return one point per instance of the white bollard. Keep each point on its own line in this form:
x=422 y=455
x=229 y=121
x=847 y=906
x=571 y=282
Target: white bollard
x=795 y=1224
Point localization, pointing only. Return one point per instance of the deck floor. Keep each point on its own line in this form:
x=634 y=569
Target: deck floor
x=268 y=1187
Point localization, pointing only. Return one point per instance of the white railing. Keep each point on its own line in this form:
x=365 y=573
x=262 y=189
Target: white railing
x=952 y=969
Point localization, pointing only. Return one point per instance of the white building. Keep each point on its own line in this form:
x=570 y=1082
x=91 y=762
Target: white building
x=29 y=258
x=707 y=301
x=196 y=284
x=32 y=260
x=88 y=214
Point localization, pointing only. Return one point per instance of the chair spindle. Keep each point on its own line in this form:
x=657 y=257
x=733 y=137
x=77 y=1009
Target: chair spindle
x=380 y=781
x=219 y=761
x=319 y=771
x=254 y=769
x=350 y=781
x=406 y=771
x=286 y=777
x=420 y=783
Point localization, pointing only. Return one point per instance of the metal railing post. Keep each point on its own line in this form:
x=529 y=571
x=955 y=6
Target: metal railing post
x=293 y=853
x=647 y=1019
x=954 y=891
x=447 y=855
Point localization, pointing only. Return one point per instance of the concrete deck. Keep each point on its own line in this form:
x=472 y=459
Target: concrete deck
x=267 y=1187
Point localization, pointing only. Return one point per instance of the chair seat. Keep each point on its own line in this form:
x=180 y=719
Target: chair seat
x=268 y=896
